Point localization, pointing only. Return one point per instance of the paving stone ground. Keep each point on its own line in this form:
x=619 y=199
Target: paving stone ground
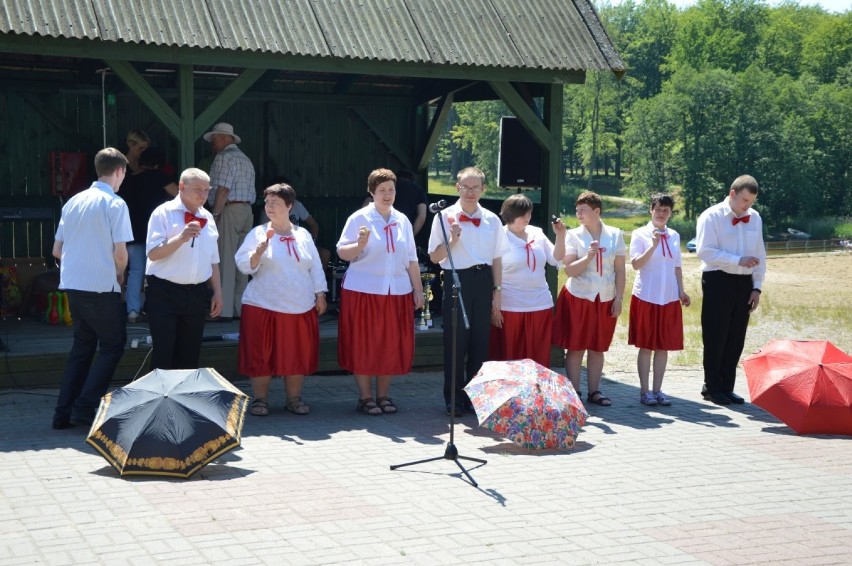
x=689 y=484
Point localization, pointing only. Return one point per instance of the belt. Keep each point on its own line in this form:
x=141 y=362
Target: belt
x=155 y=279
x=238 y=202
x=478 y=267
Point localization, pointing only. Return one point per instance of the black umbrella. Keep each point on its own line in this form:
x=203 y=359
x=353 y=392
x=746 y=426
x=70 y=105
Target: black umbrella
x=169 y=422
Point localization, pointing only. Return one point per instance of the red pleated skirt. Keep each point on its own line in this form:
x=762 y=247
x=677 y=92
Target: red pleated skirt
x=276 y=343
x=655 y=327
x=524 y=335
x=579 y=324
x=376 y=333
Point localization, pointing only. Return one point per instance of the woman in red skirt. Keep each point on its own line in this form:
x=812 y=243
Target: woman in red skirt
x=589 y=304
x=522 y=327
x=379 y=295
x=279 y=330
x=656 y=322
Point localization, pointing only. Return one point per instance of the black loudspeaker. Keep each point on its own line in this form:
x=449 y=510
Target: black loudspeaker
x=520 y=156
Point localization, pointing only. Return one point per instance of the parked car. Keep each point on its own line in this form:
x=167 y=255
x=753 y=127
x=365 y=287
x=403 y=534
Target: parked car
x=690 y=245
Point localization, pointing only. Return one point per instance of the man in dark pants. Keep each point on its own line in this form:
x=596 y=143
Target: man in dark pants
x=733 y=264
x=183 y=261
x=91 y=243
x=477 y=242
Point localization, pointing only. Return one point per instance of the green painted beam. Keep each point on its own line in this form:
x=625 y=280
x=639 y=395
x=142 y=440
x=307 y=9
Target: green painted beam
x=137 y=83
x=526 y=115
x=225 y=100
x=187 y=116
x=383 y=136
x=552 y=166
x=96 y=49
x=436 y=127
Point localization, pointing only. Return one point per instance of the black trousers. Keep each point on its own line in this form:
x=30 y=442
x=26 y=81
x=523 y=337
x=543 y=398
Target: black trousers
x=724 y=320
x=477 y=285
x=176 y=315
x=98 y=320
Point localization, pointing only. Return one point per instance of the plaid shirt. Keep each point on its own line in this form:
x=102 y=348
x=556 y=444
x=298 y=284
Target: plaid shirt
x=232 y=169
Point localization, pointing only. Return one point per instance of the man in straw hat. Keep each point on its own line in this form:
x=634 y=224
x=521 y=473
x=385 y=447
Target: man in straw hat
x=231 y=196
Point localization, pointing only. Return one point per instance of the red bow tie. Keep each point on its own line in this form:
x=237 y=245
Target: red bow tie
x=291 y=246
x=744 y=220
x=465 y=218
x=189 y=217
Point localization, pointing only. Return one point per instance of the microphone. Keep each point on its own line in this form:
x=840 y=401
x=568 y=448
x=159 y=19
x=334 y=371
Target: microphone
x=436 y=206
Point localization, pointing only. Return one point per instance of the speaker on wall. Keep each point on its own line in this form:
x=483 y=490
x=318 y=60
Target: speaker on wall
x=519 y=164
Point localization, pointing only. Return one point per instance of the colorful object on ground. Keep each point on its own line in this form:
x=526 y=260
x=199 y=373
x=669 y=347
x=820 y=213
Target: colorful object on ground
x=527 y=403
x=169 y=422
x=66 y=310
x=806 y=384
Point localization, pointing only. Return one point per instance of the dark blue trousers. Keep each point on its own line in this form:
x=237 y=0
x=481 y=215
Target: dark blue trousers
x=98 y=320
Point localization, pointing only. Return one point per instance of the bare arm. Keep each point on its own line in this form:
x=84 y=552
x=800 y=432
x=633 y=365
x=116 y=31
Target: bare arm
x=313 y=227
x=620 y=280
x=221 y=199
x=348 y=252
x=496 y=295
x=57 y=249
x=421 y=218
x=439 y=254
x=559 y=244
x=416 y=283
x=169 y=247
x=216 y=285
x=639 y=261
x=119 y=256
x=681 y=293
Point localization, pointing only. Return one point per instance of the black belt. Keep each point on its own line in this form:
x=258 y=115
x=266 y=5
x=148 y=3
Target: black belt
x=478 y=267
x=167 y=282
x=238 y=202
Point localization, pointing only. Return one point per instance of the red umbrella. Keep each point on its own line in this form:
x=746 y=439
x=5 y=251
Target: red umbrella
x=806 y=384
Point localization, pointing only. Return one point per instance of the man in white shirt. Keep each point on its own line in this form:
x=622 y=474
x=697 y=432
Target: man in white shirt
x=733 y=264
x=477 y=242
x=91 y=243
x=183 y=263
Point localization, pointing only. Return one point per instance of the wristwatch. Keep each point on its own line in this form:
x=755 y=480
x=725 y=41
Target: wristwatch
x=498 y=287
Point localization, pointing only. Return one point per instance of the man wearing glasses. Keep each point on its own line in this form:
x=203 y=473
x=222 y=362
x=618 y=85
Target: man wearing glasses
x=477 y=243
x=183 y=261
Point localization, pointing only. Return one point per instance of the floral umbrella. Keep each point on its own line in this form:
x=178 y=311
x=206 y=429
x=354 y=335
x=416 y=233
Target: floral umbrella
x=527 y=403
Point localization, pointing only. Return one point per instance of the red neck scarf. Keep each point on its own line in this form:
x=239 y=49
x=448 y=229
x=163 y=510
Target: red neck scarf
x=292 y=250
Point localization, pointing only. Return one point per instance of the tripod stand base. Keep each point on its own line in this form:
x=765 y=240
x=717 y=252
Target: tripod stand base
x=451 y=453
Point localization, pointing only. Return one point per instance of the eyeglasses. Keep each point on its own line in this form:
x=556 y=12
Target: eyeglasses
x=469 y=189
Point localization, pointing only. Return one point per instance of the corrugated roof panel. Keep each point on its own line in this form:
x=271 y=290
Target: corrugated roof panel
x=157 y=22
x=550 y=35
x=464 y=33
x=49 y=18
x=286 y=26
x=370 y=29
x=588 y=13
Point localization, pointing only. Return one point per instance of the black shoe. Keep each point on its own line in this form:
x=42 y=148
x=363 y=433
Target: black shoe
x=735 y=399
x=718 y=398
x=61 y=423
x=459 y=412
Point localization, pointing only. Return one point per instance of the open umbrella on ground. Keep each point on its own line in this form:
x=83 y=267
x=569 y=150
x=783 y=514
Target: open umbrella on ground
x=527 y=403
x=169 y=422
x=806 y=384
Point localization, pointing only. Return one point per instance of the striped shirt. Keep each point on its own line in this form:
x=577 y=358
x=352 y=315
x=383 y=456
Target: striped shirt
x=233 y=170
x=92 y=222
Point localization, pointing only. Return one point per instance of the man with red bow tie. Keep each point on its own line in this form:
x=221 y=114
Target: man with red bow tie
x=477 y=242
x=183 y=266
x=730 y=246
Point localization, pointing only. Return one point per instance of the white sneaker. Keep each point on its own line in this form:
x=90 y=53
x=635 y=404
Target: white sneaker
x=132 y=316
x=648 y=398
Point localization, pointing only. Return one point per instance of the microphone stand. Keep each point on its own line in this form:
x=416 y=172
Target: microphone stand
x=451 y=452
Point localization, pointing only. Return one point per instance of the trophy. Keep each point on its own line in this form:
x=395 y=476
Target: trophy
x=426 y=315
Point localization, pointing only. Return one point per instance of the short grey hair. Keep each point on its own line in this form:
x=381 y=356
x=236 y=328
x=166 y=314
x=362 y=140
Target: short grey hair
x=194 y=174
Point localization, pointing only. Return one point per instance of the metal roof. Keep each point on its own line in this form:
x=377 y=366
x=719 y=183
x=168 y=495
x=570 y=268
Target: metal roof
x=559 y=35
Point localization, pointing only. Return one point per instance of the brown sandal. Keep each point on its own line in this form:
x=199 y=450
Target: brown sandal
x=296 y=406
x=368 y=407
x=386 y=405
x=259 y=407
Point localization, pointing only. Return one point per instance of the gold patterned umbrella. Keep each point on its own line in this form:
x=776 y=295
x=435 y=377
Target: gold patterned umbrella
x=169 y=422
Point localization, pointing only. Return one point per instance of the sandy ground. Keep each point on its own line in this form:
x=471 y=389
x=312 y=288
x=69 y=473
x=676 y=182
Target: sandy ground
x=806 y=297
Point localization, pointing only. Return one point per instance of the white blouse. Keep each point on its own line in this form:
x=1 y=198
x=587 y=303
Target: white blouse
x=382 y=266
x=656 y=282
x=524 y=286
x=599 y=275
x=288 y=275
